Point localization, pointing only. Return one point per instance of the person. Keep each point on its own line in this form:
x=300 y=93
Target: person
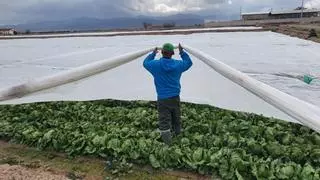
x=167 y=74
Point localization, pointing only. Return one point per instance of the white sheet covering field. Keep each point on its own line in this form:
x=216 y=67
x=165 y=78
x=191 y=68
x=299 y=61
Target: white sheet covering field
x=266 y=56
x=86 y=34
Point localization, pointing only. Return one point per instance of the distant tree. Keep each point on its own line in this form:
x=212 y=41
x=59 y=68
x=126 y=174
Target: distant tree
x=169 y=25
x=28 y=31
x=146 y=25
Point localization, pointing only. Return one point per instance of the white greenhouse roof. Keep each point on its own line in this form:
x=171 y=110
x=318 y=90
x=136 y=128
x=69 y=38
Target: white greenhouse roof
x=283 y=12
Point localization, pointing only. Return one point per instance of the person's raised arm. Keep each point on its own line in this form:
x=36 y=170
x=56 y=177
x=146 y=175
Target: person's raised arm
x=147 y=62
x=186 y=60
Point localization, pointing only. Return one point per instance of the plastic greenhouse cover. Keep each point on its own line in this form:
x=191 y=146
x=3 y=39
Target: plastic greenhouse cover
x=263 y=54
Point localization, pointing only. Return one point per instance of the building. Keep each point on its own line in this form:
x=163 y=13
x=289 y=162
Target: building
x=7 y=32
x=307 y=13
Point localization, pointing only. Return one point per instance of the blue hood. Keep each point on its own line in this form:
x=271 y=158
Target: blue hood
x=168 y=64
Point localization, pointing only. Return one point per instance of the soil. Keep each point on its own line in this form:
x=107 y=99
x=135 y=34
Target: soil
x=301 y=31
x=19 y=162
x=15 y=172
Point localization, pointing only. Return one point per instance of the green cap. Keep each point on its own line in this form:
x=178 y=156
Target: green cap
x=168 y=47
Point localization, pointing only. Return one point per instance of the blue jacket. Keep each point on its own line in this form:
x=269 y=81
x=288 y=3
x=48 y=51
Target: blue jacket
x=167 y=73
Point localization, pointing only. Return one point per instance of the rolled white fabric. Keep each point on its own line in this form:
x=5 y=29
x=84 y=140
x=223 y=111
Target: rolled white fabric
x=302 y=111
x=72 y=75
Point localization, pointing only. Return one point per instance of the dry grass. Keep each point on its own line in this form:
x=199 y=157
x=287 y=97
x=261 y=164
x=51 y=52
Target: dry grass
x=301 y=31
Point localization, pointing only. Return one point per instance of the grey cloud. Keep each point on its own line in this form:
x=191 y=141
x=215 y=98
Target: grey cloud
x=19 y=11
x=56 y=10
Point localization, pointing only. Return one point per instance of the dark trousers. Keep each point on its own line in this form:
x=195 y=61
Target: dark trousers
x=169 y=114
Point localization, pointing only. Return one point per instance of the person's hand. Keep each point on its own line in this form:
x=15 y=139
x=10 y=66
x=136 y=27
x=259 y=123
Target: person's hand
x=180 y=48
x=155 y=50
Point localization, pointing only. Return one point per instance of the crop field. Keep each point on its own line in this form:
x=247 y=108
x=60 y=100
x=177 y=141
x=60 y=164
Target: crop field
x=222 y=143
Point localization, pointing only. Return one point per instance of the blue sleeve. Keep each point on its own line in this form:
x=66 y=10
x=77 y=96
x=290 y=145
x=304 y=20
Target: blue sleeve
x=148 y=62
x=186 y=61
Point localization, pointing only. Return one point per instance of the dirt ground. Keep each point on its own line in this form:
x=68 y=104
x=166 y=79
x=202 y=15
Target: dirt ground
x=301 y=31
x=17 y=172
x=18 y=162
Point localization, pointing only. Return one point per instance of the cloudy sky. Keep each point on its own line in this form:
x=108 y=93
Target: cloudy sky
x=22 y=11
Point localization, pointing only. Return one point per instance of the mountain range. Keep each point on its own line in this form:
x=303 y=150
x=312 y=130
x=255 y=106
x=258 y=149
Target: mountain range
x=89 y=23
